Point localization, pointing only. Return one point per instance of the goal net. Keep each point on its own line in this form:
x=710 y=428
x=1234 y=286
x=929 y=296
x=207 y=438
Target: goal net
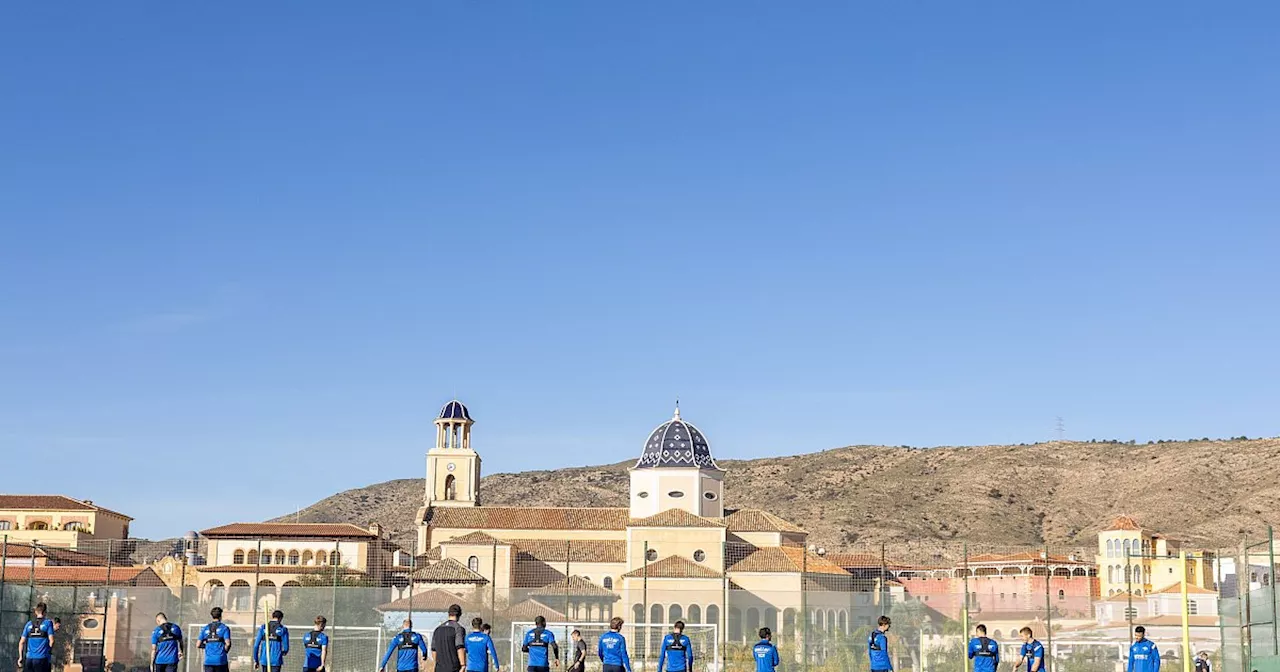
x=351 y=648
x=644 y=643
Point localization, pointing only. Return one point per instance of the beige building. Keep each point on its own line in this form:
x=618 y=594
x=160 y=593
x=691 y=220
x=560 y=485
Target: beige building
x=675 y=548
x=1133 y=559
x=57 y=520
x=255 y=564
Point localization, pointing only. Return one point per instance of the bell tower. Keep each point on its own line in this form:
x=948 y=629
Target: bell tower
x=453 y=468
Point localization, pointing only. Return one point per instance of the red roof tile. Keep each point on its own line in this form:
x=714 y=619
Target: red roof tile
x=54 y=555
x=290 y=530
x=674 y=518
x=447 y=571
x=576 y=587
x=52 y=503
x=674 y=567
x=1124 y=523
x=547 y=550
x=528 y=518
x=786 y=559
x=755 y=520
x=1192 y=589
x=475 y=538
x=530 y=609
x=434 y=600
x=84 y=576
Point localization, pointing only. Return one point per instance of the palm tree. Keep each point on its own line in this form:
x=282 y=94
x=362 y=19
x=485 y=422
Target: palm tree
x=910 y=618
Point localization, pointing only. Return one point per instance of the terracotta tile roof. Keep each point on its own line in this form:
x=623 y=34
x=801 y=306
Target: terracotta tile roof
x=529 y=518
x=84 y=576
x=1124 y=523
x=429 y=557
x=273 y=569
x=431 y=600
x=52 y=503
x=675 y=518
x=530 y=609
x=447 y=571
x=54 y=555
x=872 y=561
x=290 y=530
x=546 y=550
x=1176 y=619
x=674 y=567
x=786 y=559
x=534 y=574
x=1192 y=589
x=755 y=520
x=477 y=538
x=1123 y=597
x=577 y=587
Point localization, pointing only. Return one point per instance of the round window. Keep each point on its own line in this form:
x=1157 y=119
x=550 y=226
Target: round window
x=709 y=495
x=642 y=495
x=675 y=494
x=651 y=555
x=699 y=555
x=89 y=623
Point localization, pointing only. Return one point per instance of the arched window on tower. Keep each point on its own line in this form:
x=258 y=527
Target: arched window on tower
x=450 y=487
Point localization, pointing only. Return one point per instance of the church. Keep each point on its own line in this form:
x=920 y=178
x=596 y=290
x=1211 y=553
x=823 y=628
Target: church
x=675 y=553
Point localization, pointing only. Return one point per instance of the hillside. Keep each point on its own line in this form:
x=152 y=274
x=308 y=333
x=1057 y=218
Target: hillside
x=1205 y=492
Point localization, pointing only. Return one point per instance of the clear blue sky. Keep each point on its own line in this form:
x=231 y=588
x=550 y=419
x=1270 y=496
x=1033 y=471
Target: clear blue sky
x=247 y=251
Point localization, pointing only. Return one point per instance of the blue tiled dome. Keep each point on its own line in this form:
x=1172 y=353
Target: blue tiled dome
x=676 y=443
x=454 y=410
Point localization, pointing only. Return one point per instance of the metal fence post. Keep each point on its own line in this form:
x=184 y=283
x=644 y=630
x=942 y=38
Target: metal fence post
x=1048 y=607
x=1246 y=631
x=106 y=609
x=964 y=636
x=804 y=609
x=1186 y=614
x=493 y=585
x=335 y=585
x=4 y=561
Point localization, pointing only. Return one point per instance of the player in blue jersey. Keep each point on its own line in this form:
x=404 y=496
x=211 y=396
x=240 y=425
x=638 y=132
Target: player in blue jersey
x=612 y=649
x=407 y=644
x=1143 y=654
x=984 y=651
x=878 y=646
x=271 y=643
x=677 y=651
x=765 y=653
x=1032 y=652
x=541 y=646
x=215 y=640
x=35 y=647
x=315 y=647
x=480 y=648
x=166 y=645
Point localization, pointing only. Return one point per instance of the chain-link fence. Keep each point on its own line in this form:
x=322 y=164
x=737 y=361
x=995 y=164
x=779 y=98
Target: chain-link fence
x=820 y=605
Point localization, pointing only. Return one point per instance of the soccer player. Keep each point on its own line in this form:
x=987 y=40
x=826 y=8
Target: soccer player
x=406 y=646
x=487 y=629
x=612 y=649
x=449 y=643
x=315 y=647
x=166 y=645
x=479 y=648
x=677 y=651
x=215 y=639
x=1143 y=654
x=271 y=643
x=1032 y=652
x=36 y=644
x=878 y=646
x=984 y=651
x=1202 y=662
x=765 y=653
x=579 y=663
x=537 y=642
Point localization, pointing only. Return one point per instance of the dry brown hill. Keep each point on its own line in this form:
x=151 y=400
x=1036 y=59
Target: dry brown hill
x=1206 y=492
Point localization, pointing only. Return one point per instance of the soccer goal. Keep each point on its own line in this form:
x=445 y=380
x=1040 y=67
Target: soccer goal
x=351 y=648
x=644 y=643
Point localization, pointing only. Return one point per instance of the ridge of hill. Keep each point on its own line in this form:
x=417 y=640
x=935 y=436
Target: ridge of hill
x=1205 y=492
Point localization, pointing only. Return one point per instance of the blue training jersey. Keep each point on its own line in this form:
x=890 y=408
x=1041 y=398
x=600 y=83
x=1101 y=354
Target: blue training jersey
x=1032 y=650
x=38 y=638
x=539 y=647
x=878 y=651
x=215 y=639
x=677 y=653
x=406 y=645
x=167 y=638
x=479 y=649
x=1144 y=656
x=766 y=655
x=985 y=653
x=271 y=644
x=313 y=644
x=612 y=650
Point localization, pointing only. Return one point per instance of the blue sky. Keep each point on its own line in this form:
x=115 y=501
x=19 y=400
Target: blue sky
x=248 y=251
